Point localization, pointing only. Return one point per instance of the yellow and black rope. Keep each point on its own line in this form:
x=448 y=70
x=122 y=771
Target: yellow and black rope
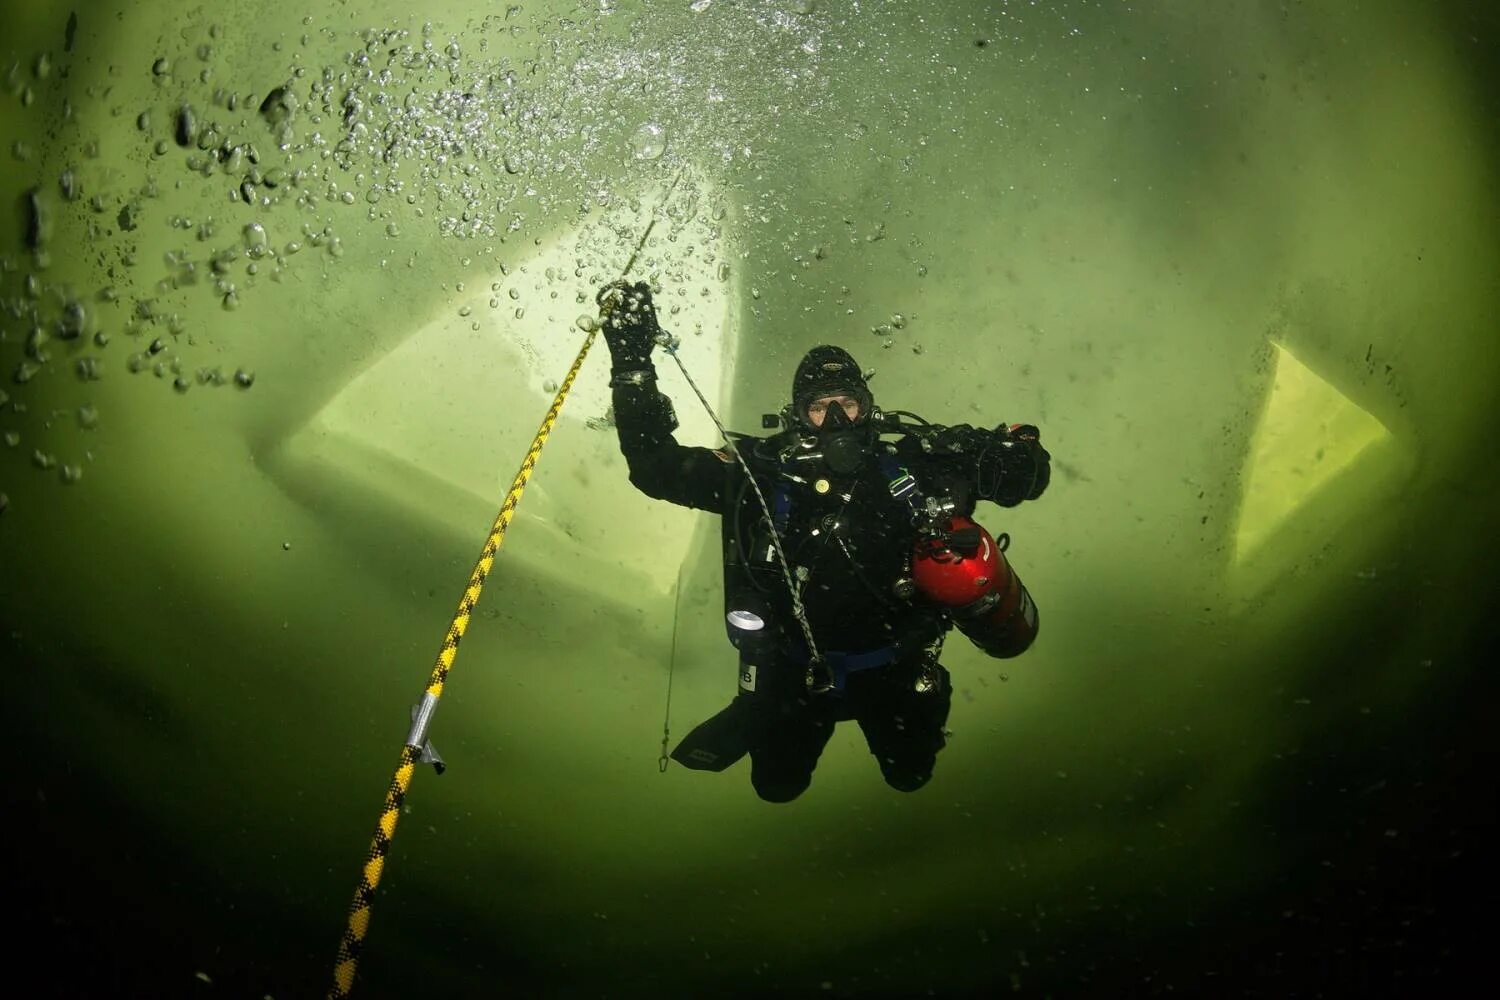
x=416 y=748
x=359 y=911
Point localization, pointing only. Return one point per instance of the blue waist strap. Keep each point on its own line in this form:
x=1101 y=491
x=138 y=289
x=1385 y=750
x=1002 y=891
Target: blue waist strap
x=852 y=662
x=843 y=664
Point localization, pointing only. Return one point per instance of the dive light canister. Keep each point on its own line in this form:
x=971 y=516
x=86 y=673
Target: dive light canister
x=748 y=621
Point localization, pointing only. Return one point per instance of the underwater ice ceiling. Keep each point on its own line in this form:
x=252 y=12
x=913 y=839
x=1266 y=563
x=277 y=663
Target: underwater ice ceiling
x=285 y=290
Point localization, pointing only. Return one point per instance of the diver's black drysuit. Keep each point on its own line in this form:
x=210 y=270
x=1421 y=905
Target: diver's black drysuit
x=848 y=537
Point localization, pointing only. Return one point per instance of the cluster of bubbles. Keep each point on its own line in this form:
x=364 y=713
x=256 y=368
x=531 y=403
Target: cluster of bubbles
x=374 y=131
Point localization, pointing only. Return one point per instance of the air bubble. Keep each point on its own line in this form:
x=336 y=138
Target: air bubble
x=649 y=141
x=255 y=239
x=187 y=125
x=74 y=319
x=36 y=345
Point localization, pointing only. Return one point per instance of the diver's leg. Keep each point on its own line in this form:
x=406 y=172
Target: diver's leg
x=902 y=714
x=787 y=737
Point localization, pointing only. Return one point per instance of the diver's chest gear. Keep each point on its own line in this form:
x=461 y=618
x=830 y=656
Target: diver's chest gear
x=867 y=523
x=832 y=520
x=873 y=561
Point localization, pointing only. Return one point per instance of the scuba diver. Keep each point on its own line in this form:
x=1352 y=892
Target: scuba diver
x=847 y=556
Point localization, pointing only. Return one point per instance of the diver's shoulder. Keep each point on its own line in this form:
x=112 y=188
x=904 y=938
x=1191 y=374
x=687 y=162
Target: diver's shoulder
x=760 y=452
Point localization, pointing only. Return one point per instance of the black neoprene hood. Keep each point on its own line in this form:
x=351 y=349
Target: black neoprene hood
x=829 y=371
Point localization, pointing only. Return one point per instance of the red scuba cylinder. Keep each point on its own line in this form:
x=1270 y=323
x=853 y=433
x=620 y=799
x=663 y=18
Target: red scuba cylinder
x=965 y=571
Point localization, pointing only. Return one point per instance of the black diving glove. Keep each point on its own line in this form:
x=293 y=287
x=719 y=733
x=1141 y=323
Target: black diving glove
x=1007 y=464
x=628 y=319
x=1016 y=467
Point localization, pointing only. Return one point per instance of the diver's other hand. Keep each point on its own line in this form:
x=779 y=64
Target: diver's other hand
x=1022 y=466
x=628 y=317
x=1006 y=465
x=959 y=439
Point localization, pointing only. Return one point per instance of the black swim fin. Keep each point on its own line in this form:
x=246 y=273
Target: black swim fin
x=718 y=742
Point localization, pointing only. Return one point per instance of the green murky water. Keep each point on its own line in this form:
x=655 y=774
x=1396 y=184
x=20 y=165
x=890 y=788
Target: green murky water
x=287 y=289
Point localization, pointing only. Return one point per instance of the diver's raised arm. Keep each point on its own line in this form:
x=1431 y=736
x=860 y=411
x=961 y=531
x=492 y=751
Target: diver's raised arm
x=644 y=417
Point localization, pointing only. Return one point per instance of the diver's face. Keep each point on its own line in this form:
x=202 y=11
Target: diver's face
x=818 y=408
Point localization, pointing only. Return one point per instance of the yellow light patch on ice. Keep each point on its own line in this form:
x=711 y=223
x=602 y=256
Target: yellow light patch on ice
x=461 y=398
x=1309 y=433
